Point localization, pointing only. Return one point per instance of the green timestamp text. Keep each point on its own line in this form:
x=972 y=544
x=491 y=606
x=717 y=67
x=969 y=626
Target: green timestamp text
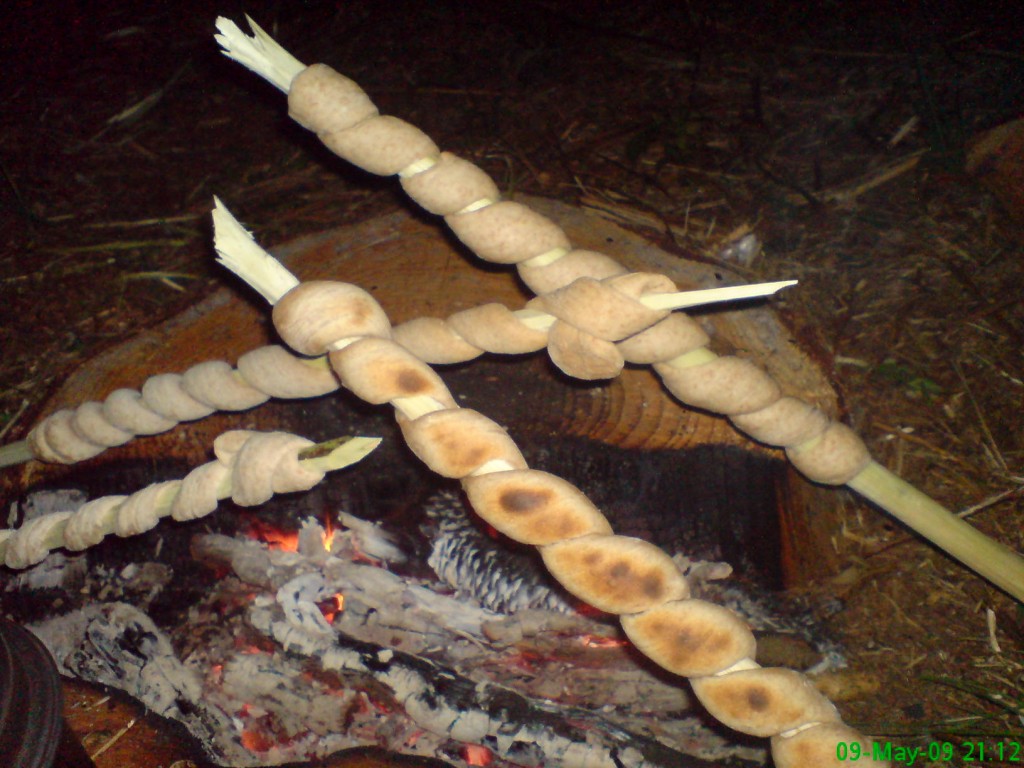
x=967 y=752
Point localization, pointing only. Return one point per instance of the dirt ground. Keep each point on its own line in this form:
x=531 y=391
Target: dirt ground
x=836 y=135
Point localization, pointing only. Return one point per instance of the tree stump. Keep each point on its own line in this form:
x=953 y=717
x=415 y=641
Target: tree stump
x=414 y=268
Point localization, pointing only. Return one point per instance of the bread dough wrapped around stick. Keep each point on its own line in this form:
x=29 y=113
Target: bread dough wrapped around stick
x=250 y=468
x=625 y=576
x=507 y=232
x=596 y=303
x=165 y=400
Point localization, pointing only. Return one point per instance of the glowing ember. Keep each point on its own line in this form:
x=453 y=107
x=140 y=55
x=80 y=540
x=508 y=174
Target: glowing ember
x=589 y=611
x=255 y=741
x=274 y=538
x=381 y=707
x=332 y=607
x=474 y=754
x=597 y=641
x=288 y=541
x=411 y=741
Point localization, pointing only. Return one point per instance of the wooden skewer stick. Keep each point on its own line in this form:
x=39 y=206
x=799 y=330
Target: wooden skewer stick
x=15 y=453
x=542 y=321
x=235 y=244
x=985 y=556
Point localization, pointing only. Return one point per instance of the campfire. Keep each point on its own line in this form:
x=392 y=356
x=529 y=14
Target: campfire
x=307 y=635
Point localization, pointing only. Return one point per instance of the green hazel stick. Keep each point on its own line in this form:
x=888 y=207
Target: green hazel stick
x=992 y=560
x=15 y=453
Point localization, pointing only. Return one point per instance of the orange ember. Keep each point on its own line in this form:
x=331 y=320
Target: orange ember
x=598 y=641
x=332 y=607
x=288 y=541
x=273 y=537
x=328 y=533
x=474 y=754
x=411 y=741
x=255 y=741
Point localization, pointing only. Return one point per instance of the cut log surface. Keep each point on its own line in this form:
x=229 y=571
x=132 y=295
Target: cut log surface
x=414 y=269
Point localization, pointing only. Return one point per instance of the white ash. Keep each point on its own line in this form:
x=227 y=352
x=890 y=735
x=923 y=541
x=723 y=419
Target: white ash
x=59 y=569
x=386 y=617
x=508 y=581
x=370 y=539
x=264 y=693
x=521 y=732
x=42 y=503
x=404 y=665
x=118 y=645
x=265 y=682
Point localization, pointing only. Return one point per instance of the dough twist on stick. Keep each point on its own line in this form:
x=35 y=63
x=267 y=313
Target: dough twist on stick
x=250 y=468
x=71 y=435
x=506 y=232
x=621 y=575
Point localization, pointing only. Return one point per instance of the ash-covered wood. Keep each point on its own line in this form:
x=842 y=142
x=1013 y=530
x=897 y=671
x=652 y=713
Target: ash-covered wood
x=268 y=669
x=516 y=729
